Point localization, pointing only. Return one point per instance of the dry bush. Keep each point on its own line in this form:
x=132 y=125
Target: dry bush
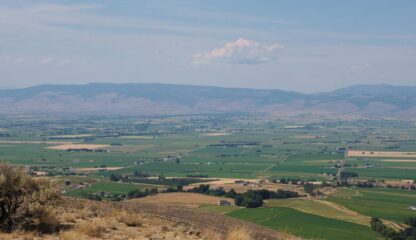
x=71 y=235
x=23 y=198
x=211 y=234
x=130 y=219
x=48 y=223
x=238 y=234
x=94 y=228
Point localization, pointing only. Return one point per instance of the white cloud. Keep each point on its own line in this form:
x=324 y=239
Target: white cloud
x=47 y=60
x=241 y=51
x=18 y=60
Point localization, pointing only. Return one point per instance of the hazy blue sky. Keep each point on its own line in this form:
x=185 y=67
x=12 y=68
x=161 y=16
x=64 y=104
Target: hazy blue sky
x=298 y=45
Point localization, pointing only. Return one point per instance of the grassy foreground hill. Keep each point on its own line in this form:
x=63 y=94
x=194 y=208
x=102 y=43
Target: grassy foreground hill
x=79 y=219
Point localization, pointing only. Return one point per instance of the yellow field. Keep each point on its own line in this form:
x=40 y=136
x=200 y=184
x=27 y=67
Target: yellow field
x=216 y=134
x=251 y=184
x=137 y=137
x=356 y=153
x=72 y=136
x=78 y=146
x=34 y=142
x=321 y=208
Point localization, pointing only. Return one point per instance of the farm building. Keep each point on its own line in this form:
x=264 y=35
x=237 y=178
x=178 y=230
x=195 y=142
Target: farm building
x=224 y=203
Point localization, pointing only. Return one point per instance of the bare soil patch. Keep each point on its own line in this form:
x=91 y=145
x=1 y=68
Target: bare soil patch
x=137 y=137
x=72 y=136
x=248 y=184
x=34 y=142
x=357 y=153
x=78 y=146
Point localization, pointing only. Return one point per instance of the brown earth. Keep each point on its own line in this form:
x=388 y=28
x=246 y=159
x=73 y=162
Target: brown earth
x=359 y=153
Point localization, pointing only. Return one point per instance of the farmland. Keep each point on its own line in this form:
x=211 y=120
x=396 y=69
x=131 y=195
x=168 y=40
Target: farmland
x=110 y=156
x=293 y=221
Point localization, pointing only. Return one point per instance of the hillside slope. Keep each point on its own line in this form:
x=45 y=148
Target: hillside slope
x=166 y=99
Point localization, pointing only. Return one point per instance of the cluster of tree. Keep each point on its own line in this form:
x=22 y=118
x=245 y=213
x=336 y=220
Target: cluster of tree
x=346 y=175
x=140 y=177
x=139 y=194
x=408 y=233
x=197 y=175
x=249 y=199
x=25 y=200
x=365 y=185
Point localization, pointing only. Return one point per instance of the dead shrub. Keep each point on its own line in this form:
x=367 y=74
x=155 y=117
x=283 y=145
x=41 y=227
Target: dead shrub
x=238 y=234
x=48 y=223
x=71 y=235
x=130 y=219
x=211 y=234
x=94 y=228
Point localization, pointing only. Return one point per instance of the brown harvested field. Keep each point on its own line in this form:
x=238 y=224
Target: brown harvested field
x=216 y=134
x=251 y=184
x=137 y=137
x=34 y=142
x=72 y=136
x=380 y=154
x=306 y=137
x=187 y=199
x=78 y=146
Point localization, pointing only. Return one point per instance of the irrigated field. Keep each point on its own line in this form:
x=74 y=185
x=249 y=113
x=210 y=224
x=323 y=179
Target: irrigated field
x=303 y=224
x=387 y=204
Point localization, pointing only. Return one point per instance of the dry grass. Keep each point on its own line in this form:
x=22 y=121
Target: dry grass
x=238 y=234
x=357 y=153
x=210 y=234
x=71 y=235
x=95 y=228
x=48 y=222
x=78 y=146
x=180 y=198
x=130 y=219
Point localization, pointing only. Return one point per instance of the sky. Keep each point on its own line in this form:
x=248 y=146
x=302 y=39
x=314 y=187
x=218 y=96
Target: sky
x=306 y=46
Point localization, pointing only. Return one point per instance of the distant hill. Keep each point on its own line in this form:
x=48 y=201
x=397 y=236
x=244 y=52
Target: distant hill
x=167 y=99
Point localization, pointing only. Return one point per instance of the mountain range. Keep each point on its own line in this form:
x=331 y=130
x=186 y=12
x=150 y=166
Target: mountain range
x=167 y=99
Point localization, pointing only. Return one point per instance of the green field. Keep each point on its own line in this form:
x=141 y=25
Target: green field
x=304 y=224
x=112 y=188
x=387 y=204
